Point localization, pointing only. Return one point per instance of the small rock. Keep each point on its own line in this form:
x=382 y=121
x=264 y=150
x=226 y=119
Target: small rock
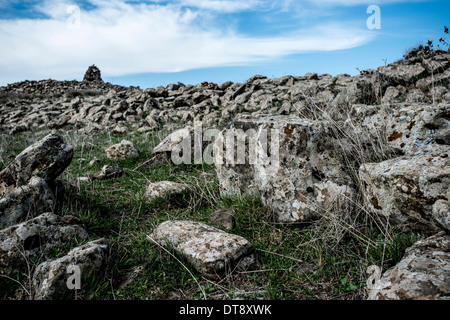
x=211 y=251
x=223 y=218
x=163 y=189
x=108 y=172
x=121 y=151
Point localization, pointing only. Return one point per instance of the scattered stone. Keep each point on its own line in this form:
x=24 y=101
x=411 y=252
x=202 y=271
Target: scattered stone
x=122 y=151
x=108 y=172
x=26 y=202
x=223 y=218
x=422 y=274
x=28 y=242
x=50 y=277
x=163 y=189
x=47 y=159
x=211 y=251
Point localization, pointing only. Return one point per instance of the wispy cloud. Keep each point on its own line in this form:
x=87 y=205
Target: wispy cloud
x=124 y=37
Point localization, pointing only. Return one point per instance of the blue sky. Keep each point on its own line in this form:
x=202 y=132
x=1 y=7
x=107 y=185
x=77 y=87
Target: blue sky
x=152 y=43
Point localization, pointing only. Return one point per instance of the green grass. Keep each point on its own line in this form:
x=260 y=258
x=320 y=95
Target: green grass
x=293 y=261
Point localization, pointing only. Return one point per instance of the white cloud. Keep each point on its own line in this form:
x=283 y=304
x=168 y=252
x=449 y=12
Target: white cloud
x=124 y=38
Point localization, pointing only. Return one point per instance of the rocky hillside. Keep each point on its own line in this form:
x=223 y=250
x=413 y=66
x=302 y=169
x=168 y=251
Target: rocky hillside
x=373 y=147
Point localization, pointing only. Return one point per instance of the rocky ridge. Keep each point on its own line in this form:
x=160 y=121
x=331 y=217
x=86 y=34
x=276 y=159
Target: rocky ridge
x=391 y=124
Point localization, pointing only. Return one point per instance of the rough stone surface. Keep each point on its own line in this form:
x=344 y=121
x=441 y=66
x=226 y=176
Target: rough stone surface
x=47 y=159
x=441 y=213
x=164 y=189
x=28 y=242
x=422 y=274
x=26 y=202
x=121 y=151
x=50 y=277
x=406 y=188
x=304 y=179
x=211 y=251
x=415 y=126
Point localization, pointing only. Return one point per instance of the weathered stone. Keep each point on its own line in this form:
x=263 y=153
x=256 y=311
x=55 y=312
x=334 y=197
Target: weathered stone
x=108 y=172
x=416 y=126
x=441 y=213
x=29 y=242
x=404 y=189
x=173 y=140
x=163 y=189
x=51 y=277
x=26 y=202
x=401 y=74
x=122 y=151
x=305 y=178
x=422 y=274
x=223 y=218
x=211 y=251
x=46 y=159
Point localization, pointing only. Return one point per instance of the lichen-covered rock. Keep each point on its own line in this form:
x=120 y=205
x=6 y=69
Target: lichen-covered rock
x=121 y=151
x=163 y=189
x=290 y=162
x=50 y=277
x=108 y=172
x=47 y=159
x=415 y=126
x=422 y=274
x=405 y=188
x=28 y=242
x=211 y=251
x=26 y=202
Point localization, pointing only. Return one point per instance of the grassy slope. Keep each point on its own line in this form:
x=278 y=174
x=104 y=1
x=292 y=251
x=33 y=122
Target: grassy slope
x=324 y=260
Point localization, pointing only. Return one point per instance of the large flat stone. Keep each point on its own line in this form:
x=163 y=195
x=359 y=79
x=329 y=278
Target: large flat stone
x=211 y=251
